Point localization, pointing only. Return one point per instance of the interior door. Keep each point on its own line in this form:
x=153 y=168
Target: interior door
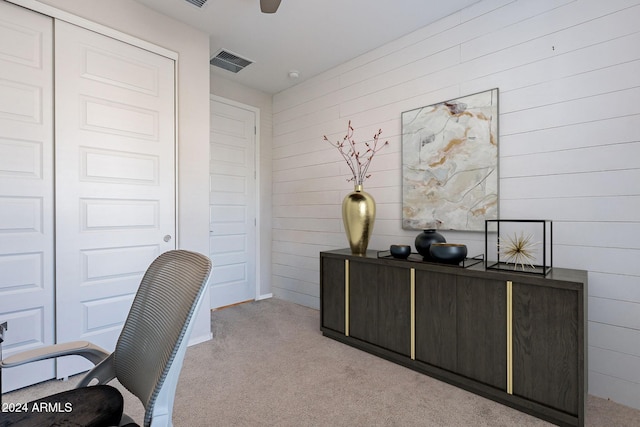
x=26 y=189
x=115 y=180
x=232 y=210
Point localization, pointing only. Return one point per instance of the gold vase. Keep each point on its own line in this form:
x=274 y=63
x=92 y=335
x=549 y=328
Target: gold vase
x=358 y=216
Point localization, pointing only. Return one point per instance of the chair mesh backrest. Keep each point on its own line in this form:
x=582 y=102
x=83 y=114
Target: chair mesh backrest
x=157 y=322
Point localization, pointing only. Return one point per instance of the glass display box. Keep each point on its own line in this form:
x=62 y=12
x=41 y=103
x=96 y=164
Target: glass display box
x=519 y=245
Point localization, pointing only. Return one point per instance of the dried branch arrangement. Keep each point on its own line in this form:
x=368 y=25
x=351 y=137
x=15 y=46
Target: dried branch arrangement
x=357 y=161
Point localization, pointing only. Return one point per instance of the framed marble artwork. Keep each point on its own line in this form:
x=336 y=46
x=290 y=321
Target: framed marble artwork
x=450 y=164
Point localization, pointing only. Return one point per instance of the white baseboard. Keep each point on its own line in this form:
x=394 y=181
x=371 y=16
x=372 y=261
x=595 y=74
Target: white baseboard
x=264 y=296
x=199 y=339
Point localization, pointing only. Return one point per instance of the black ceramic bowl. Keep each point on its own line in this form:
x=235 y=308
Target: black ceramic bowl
x=400 y=251
x=449 y=253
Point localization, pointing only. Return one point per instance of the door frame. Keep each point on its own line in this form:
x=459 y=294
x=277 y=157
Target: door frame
x=256 y=161
x=60 y=14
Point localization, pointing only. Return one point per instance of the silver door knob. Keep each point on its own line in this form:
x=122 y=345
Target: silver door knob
x=167 y=238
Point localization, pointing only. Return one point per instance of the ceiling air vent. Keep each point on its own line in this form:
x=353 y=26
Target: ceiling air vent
x=229 y=61
x=198 y=3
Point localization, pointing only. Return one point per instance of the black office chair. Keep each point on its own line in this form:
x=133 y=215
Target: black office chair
x=147 y=359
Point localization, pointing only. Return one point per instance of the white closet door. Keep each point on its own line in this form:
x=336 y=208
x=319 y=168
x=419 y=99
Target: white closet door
x=26 y=189
x=115 y=180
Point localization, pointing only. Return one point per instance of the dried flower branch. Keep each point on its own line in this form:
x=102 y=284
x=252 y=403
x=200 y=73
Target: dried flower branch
x=358 y=162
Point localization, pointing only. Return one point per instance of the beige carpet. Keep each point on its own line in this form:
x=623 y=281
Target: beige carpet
x=269 y=365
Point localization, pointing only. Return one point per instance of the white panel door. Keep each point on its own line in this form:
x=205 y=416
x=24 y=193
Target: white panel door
x=115 y=180
x=232 y=210
x=26 y=189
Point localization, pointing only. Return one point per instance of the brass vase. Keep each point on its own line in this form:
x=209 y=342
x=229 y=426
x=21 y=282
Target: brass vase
x=358 y=215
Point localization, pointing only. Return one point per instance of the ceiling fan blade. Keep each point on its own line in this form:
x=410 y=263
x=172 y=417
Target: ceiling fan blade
x=269 y=6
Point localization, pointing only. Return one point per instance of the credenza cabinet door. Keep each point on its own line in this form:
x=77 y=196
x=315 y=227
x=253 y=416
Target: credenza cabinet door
x=380 y=306
x=481 y=314
x=436 y=336
x=394 y=309
x=332 y=296
x=546 y=351
x=363 y=301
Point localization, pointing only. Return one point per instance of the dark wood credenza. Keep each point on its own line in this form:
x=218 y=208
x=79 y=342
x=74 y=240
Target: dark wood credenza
x=519 y=339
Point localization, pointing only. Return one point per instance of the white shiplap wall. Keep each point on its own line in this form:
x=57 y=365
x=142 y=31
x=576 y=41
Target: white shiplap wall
x=569 y=80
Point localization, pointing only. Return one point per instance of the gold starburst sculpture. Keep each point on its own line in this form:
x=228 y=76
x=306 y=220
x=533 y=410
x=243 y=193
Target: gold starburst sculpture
x=518 y=249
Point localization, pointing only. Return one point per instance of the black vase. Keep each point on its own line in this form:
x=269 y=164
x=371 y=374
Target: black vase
x=424 y=241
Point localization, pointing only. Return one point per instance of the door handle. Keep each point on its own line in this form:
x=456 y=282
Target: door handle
x=167 y=238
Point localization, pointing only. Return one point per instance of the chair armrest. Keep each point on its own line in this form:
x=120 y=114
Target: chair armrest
x=89 y=351
x=102 y=373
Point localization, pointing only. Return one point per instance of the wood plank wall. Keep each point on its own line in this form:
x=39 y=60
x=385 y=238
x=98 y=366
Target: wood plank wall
x=569 y=78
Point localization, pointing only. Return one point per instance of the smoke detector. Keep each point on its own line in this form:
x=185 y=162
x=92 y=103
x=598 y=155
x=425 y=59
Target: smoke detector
x=229 y=61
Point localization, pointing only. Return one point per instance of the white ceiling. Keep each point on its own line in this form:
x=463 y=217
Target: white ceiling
x=309 y=36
